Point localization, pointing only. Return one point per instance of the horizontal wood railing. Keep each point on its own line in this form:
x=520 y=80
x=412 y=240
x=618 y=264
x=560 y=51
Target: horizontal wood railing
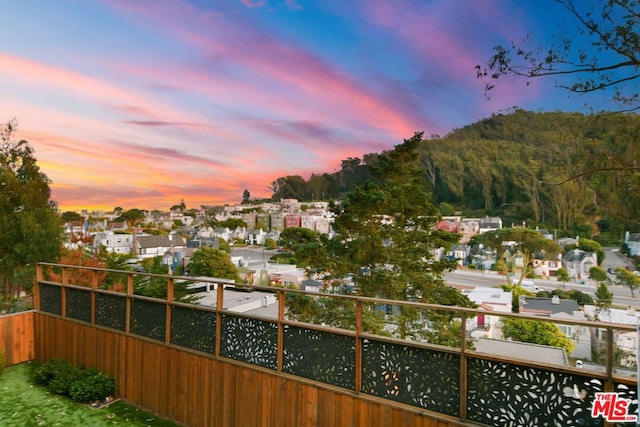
x=200 y=365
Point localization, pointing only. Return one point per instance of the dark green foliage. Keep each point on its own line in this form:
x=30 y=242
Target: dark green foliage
x=2 y=360
x=43 y=374
x=513 y=165
x=29 y=224
x=536 y=332
x=212 y=262
x=93 y=386
x=58 y=376
x=81 y=385
x=597 y=274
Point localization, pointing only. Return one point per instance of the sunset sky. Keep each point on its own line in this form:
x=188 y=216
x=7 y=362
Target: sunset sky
x=142 y=103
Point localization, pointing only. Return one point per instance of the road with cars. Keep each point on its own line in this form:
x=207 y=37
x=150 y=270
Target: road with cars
x=613 y=258
x=472 y=278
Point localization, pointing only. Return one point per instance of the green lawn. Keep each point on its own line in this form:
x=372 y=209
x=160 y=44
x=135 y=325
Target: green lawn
x=24 y=404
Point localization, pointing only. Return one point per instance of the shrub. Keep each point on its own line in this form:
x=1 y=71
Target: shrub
x=2 y=360
x=43 y=374
x=81 y=385
x=64 y=378
x=93 y=386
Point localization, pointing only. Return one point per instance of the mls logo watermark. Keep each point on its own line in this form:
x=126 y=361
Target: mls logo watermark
x=612 y=408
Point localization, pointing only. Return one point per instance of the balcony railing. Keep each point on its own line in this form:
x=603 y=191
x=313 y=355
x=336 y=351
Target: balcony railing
x=454 y=380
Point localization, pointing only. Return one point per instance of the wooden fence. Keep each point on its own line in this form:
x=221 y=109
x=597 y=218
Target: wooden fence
x=206 y=366
x=16 y=337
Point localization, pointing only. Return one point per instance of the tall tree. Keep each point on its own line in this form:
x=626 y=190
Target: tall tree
x=529 y=243
x=604 y=57
x=29 y=223
x=246 y=196
x=627 y=278
x=604 y=298
x=386 y=239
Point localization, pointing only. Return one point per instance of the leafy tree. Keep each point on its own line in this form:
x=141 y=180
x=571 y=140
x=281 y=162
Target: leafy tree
x=598 y=274
x=530 y=244
x=223 y=245
x=563 y=276
x=626 y=278
x=334 y=312
x=213 y=262
x=609 y=27
x=133 y=216
x=179 y=207
x=446 y=209
x=604 y=298
x=293 y=237
x=269 y=243
x=231 y=223
x=71 y=216
x=536 y=332
x=580 y=297
x=29 y=223
x=246 y=196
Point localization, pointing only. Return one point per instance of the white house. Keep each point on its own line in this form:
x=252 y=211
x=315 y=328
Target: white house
x=152 y=246
x=113 y=242
x=578 y=262
x=493 y=300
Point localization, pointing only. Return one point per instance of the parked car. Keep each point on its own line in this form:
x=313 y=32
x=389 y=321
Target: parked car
x=611 y=270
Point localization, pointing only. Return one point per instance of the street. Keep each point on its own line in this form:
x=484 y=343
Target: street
x=613 y=258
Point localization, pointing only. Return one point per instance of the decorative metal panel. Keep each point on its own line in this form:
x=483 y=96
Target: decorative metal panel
x=111 y=311
x=419 y=377
x=511 y=395
x=148 y=319
x=193 y=328
x=51 y=298
x=320 y=356
x=628 y=392
x=79 y=304
x=250 y=340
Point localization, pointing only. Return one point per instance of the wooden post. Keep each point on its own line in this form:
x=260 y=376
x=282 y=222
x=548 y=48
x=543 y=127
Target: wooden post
x=63 y=292
x=36 y=289
x=167 y=329
x=219 y=307
x=280 y=351
x=358 y=364
x=94 y=287
x=463 y=366
x=127 y=327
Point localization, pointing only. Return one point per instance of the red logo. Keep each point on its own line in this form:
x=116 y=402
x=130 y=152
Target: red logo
x=612 y=408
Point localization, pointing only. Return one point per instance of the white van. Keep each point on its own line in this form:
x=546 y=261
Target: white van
x=530 y=286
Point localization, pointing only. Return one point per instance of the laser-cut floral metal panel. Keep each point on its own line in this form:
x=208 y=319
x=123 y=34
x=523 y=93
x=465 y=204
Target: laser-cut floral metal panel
x=148 y=319
x=415 y=376
x=79 y=304
x=51 y=298
x=320 y=356
x=111 y=311
x=193 y=328
x=511 y=395
x=250 y=340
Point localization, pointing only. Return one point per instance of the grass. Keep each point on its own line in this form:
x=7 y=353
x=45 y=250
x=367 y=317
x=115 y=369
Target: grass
x=25 y=404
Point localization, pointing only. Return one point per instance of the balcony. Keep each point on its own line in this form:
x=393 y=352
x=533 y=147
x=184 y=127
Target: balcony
x=208 y=365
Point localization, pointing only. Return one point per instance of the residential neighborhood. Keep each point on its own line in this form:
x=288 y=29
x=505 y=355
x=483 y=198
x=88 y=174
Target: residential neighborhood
x=183 y=234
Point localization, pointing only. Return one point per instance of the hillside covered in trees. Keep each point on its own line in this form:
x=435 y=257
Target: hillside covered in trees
x=569 y=171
